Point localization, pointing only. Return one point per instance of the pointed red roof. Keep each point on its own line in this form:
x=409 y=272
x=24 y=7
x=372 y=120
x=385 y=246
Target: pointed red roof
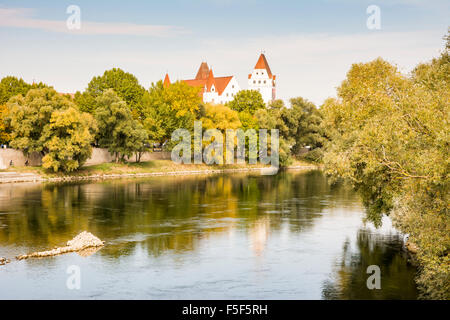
x=203 y=71
x=166 y=82
x=262 y=64
x=210 y=82
x=205 y=80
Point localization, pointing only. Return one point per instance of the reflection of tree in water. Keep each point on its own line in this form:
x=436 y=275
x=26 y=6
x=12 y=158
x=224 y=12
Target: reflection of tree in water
x=165 y=213
x=385 y=251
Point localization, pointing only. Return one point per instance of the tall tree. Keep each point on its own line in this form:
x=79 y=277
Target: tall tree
x=11 y=86
x=304 y=122
x=29 y=115
x=166 y=109
x=390 y=137
x=46 y=122
x=118 y=131
x=125 y=85
x=68 y=139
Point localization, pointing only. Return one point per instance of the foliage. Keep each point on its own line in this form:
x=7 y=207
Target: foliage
x=46 y=122
x=220 y=117
x=5 y=130
x=390 y=137
x=304 y=121
x=68 y=139
x=11 y=86
x=248 y=121
x=118 y=131
x=28 y=116
x=247 y=101
x=271 y=118
x=125 y=85
x=171 y=108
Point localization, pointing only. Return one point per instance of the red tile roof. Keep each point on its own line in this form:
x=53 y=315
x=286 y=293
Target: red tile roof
x=221 y=83
x=262 y=64
x=205 y=79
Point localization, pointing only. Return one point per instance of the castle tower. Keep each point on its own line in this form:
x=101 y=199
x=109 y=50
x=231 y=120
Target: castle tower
x=166 y=82
x=203 y=72
x=262 y=80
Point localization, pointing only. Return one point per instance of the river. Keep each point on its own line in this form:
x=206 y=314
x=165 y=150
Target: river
x=237 y=236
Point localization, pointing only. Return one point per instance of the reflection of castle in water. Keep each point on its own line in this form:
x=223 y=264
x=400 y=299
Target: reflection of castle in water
x=259 y=234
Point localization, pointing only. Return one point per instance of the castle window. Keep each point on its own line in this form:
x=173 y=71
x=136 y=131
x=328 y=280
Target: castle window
x=254 y=81
x=259 y=81
x=264 y=81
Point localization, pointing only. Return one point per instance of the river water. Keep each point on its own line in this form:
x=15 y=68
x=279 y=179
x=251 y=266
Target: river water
x=239 y=236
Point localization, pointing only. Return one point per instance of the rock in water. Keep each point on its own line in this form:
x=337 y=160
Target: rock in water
x=82 y=241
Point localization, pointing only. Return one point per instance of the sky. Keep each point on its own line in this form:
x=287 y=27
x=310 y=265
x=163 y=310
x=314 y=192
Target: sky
x=309 y=45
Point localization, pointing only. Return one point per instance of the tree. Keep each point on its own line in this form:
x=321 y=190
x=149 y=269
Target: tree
x=271 y=118
x=125 y=85
x=304 y=121
x=170 y=108
x=5 y=129
x=28 y=116
x=247 y=101
x=11 y=86
x=118 y=131
x=46 y=122
x=68 y=139
x=390 y=137
x=220 y=117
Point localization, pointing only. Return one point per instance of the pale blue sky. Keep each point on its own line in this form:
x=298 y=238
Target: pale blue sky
x=309 y=44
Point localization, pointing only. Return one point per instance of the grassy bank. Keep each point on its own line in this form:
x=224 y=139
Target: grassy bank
x=155 y=166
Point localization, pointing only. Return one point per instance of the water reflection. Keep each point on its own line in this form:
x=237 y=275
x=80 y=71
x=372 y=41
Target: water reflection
x=383 y=250
x=233 y=236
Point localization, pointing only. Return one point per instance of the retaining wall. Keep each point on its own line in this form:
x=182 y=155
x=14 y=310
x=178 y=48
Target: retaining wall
x=98 y=156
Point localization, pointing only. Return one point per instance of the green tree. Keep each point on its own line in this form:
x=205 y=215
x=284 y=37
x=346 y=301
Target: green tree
x=68 y=139
x=118 y=131
x=271 y=118
x=304 y=123
x=29 y=115
x=125 y=85
x=11 y=86
x=47 y=122
x=390 y=137
x=247 y=101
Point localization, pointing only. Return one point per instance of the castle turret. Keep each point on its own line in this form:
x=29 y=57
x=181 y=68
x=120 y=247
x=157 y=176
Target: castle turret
x=166 y=82
x=262 y=80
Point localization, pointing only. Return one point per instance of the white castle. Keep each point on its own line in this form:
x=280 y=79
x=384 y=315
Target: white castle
x=220 y=90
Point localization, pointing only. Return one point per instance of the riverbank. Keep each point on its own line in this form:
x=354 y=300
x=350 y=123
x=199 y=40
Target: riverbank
x=130 y=170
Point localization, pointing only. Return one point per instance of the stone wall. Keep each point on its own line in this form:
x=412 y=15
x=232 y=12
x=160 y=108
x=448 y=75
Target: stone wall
x=18 y=159
x=98 y=156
